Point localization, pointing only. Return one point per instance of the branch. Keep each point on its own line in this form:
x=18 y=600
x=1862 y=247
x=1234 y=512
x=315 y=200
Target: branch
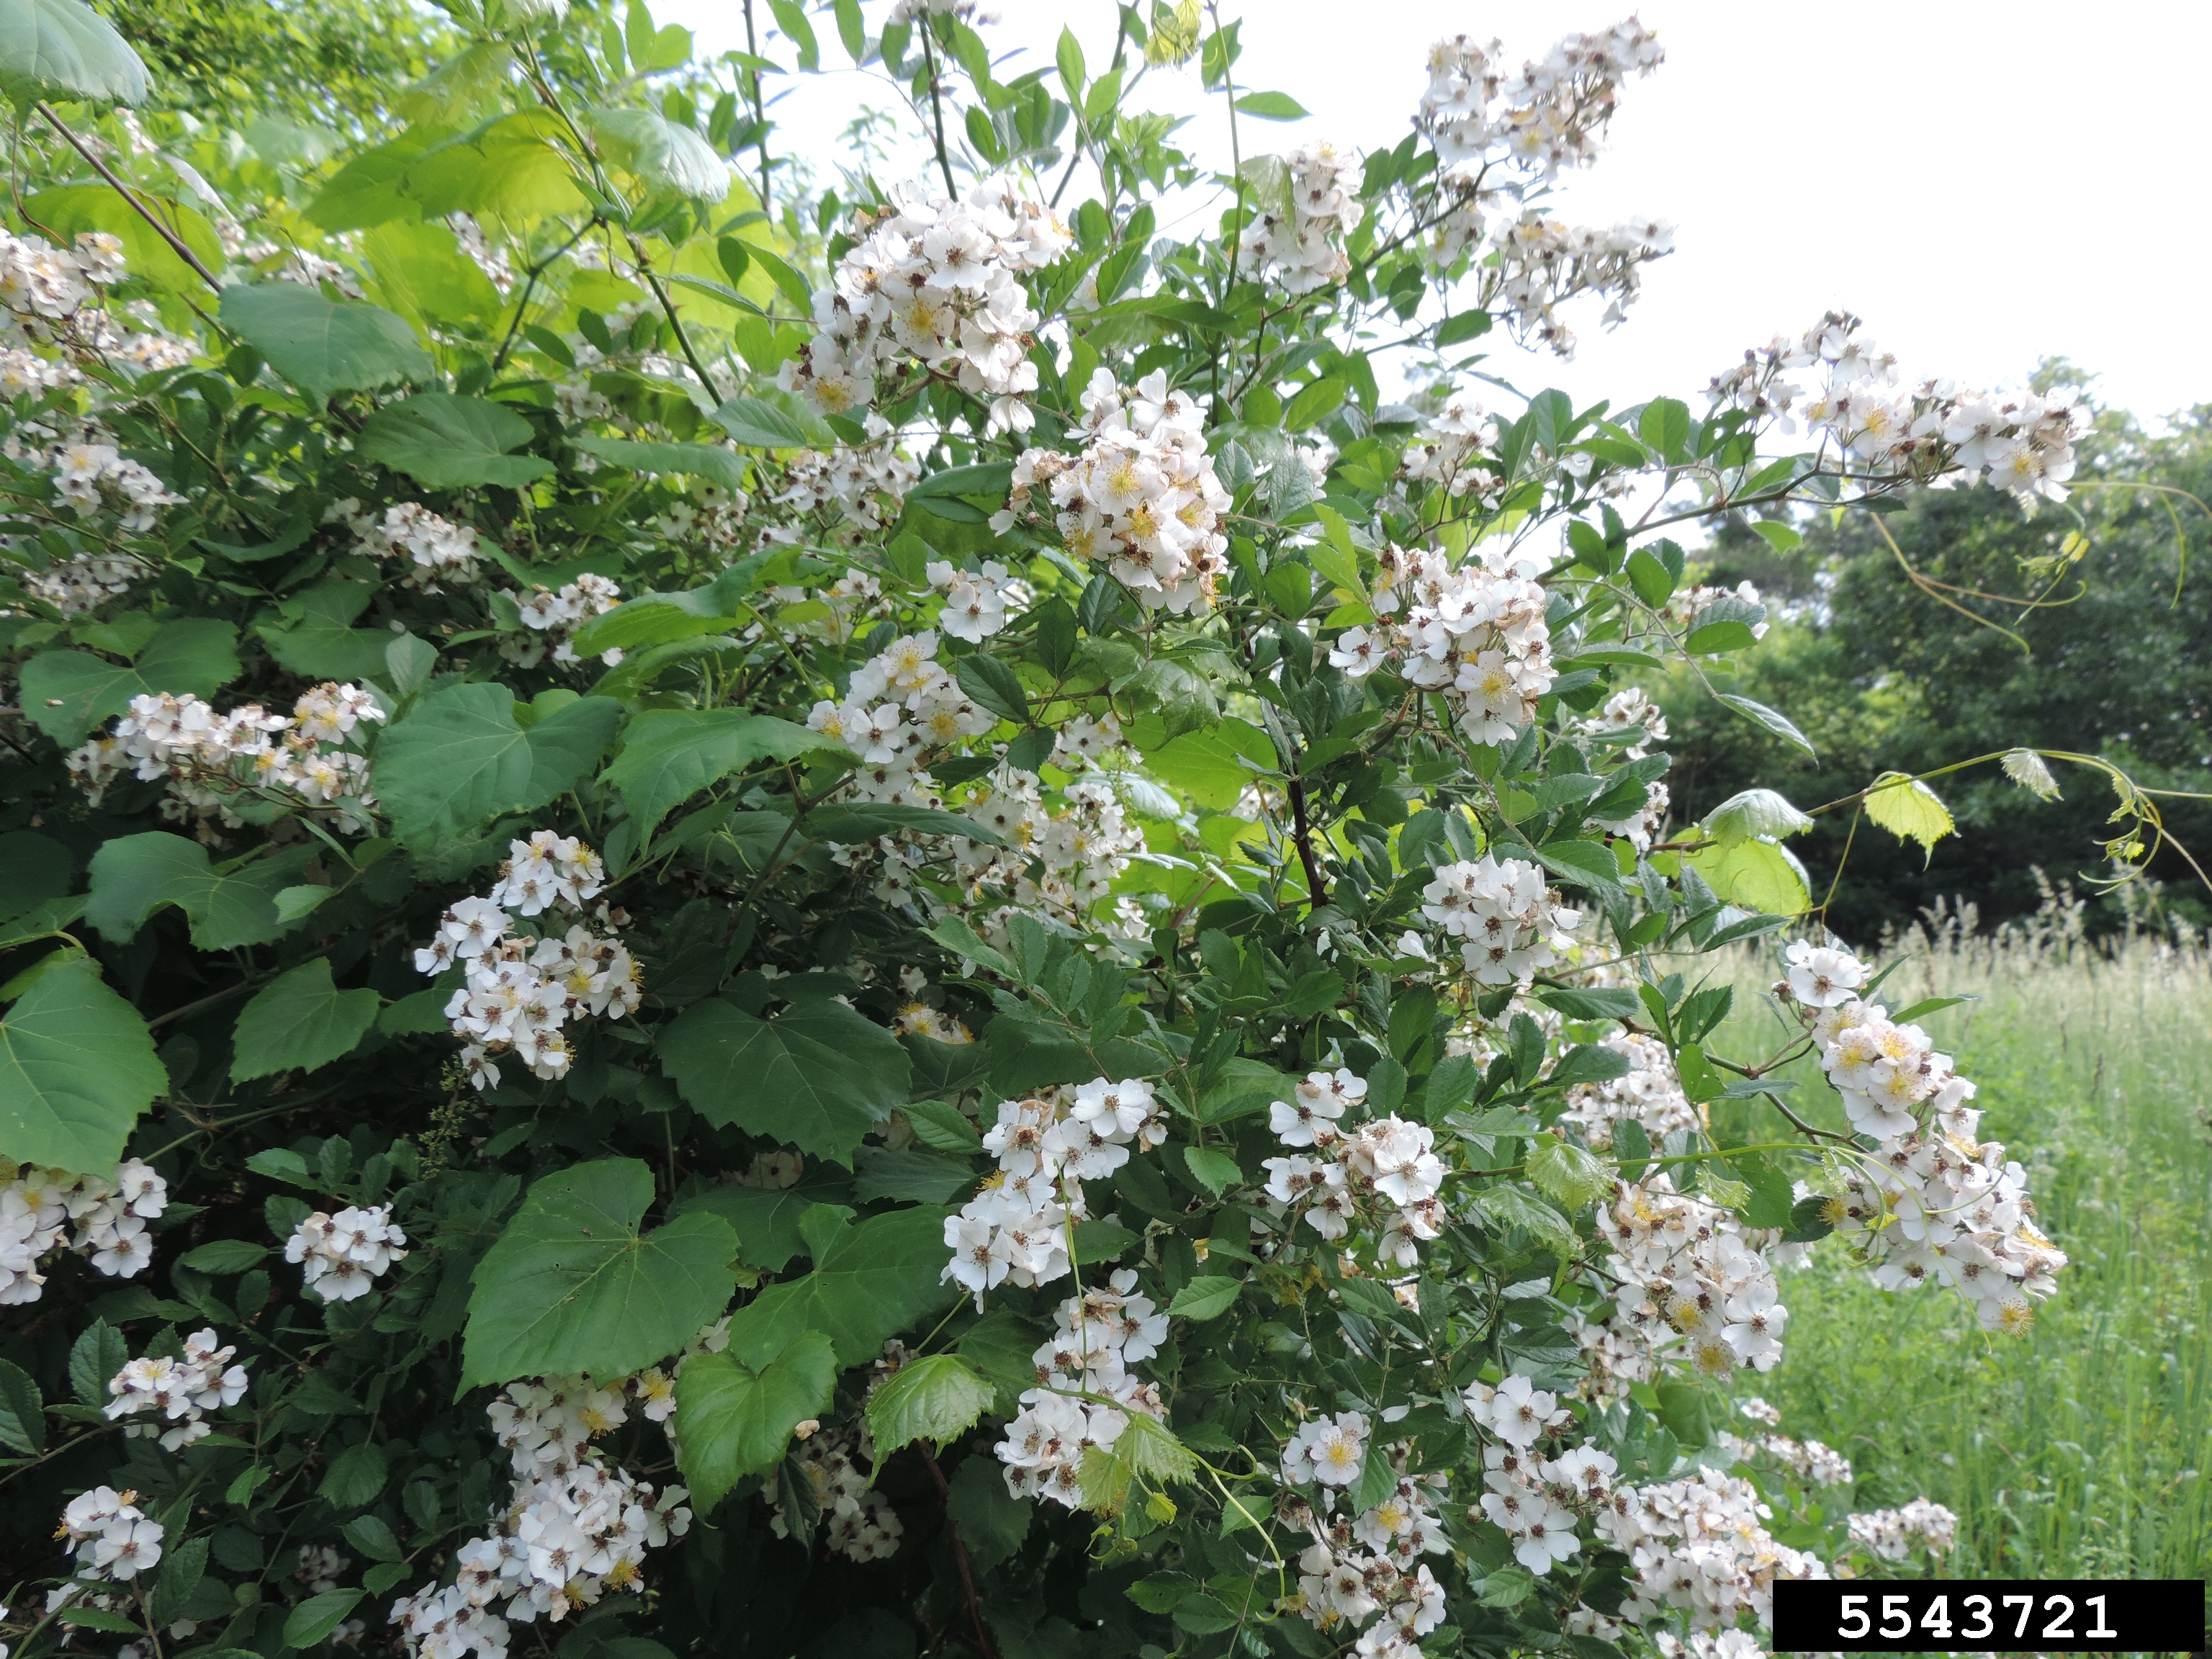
x=176 y=244
x=937 y=111
x=959 y=1556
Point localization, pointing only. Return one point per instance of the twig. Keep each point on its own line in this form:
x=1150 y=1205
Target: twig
x=176 y=243
x=937 y=109
x=959 y=1555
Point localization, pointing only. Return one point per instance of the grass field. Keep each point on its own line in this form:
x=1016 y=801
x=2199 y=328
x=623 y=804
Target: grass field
x=2082 y=1449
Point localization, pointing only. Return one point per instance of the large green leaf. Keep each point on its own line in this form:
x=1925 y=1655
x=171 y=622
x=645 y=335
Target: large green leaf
x=765 y=1219
x=870 y=1282
x=571 y=1284
x=819 y=1076
x=508 y=169
x=299 y=1021
x=670 y=755
x=1755 y=874
x=67 y=53
x=67 y=692
x=322 y=346
x=72 y=209
x=76 y=1068
x=993 y=1521
x=423 y=274
x=733 y=1422
x=134 y=876
x=450 y=443
x=658 y=618
x=461 y=758
x=933 y=1399
x=708 y=461
x=666 y=156
x=366 y=190
x=760 y=425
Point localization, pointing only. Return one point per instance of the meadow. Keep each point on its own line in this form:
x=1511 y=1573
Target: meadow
x=2082 y=1449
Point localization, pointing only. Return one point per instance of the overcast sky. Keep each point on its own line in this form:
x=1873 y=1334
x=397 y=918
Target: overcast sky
x=1984 y=184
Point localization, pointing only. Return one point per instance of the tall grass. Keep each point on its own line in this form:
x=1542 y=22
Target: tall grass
x=2082 y=1449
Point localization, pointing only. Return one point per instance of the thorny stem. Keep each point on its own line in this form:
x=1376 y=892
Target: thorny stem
x=959 y=1554
x=176 y=243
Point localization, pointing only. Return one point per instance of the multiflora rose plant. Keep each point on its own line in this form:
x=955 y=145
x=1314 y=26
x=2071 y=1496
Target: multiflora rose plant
x=913 y=917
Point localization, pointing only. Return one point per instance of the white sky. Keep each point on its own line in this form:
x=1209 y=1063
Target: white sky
x=1984 y=184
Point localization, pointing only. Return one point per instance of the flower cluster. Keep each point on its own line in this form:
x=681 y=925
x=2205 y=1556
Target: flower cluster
x=559 y=615
x=1016 y=1228
x=899 y=708
x=1549 y=115
x=1648 y=1093
x=975 y=600
x=1360 y=1564
x=573 y=1528
x=80 y=584
x=1299 y=243
x=181 y=1389
x=1700 y=1545
x=1936 y=432
x=863 y=1526
x=109 y=1215
x=213 y=760
x=1385 y=1156
x=1057 y=861
x=1542 y=263
x=347 y=1253
x=111 y=1537
x=1504 y=919
x=1808 y=1460
x=1892 y=1534
x=860 y=485
x=1689 y=1276
x=1097 y=1337
x=935 y=282
x=1474 y=630
x=1141 y=501
x=42 y=285
x=522 y=989
x=429 y=547
x=94 y=477
x=1450 y=438
x=1536 y=1501
x=1931 y=1201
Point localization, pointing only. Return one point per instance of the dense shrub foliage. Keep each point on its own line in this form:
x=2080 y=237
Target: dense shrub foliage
x=967 y=936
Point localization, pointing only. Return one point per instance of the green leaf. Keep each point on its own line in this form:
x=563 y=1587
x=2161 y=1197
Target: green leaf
x=1752 y=812
x=67 y=692
x=74 y=208
x=1272 y=107
x=1601 y=1004
x=373 y=1538
x=76 y=1069
x=1568 y=1174
x=942 y=1126
x=908 y=1176
x=224 y=1256
x=818 y=1076
x=571 y=1284
x=670 y=755
x=460 y=759
x=760 y=425
x=709 y=461
x=1216 y=1171
x=136 y=875
x=790 y=18
x=733 y=1422
x=300 y=1021
x=1505 y=1207
x=1585 y=863
x=992 y=1521
x=96 y=1355
x=933 y=1399
x=1314 y=403
x=183 y=1565
x=1146 y=1450
x=851 y=30
x=1909 y=809
x=321 y=347
x=356 y=1475
x=314 y=1618
x=1753 y=875
x=993 y=685
x=1772 y=720
x=666 y=156
x=1467 y=326
x=22 y=1414
x=1665 y=427
x=450 y=443
x=764 y=1218
x=1205 y=1298
x=870 y=1281
x=660 y=618
x=65 y=52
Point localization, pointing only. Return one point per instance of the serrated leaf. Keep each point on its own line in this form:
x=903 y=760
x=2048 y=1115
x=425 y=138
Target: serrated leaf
x=664 y=619
x=1755 y=812
x=1216 y=1171
x=1507 y=1207
x=460 y=759
x=1909 y=809
x=2026 y=767
x=22 y=1414
x=322 y=346
x=670 y=755
x=1599 y=1003
x=373 y=1538
x=451 y=443
x=300 y=1021
x=1207 y=1297
x=572 y=1284
x=67 y=692
x=1753 y=875
x=870 y=1281
x=666 y=156
x=68 y=53
x=760 y=425
x=1586 y=863
x=224 y=1256
x=96 y=1355
x=133 y=876
x=1772 y=720
x=1146 y=1450
x=732 y=1421
x=933 y=1399
x=314 y=1618
x=1567 y=1174
x=993 y=685
x=818 y=1076
x=76 y=1069
x=944 y=1126
x=709 y=461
